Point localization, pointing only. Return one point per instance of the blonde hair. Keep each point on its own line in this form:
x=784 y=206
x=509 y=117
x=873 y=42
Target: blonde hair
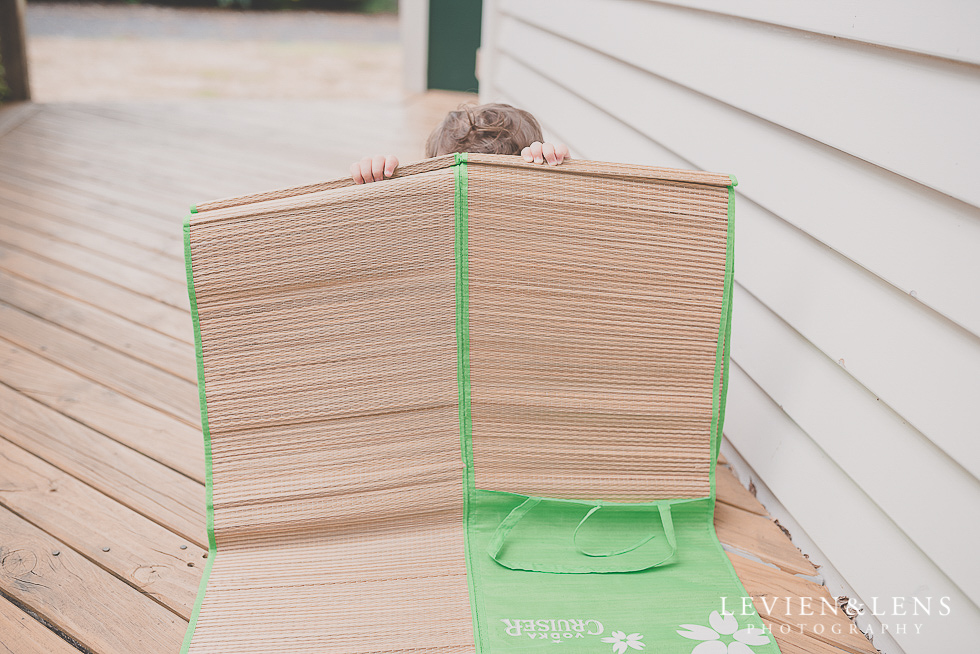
x=487 y=128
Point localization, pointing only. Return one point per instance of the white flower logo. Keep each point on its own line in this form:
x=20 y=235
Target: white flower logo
x=620 y=641
x=723 y=624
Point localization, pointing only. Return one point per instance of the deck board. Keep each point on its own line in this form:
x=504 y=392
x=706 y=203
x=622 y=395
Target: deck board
x=100 y=442
x=731 y=492
x=140 y=381
x=56 y=182
x=22 y=634
x=80 y=598
x=769 y=592
x=146 y=345
x=163 y=438
x=159 y=493
x=104 y=243
x=162 y=286
x=146 y=555
x=110 y=297
x=757 y=535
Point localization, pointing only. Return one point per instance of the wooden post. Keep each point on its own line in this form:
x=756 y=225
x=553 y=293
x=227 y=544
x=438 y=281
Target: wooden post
x=13 y=49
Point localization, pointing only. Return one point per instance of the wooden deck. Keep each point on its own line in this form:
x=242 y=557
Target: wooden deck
x=102 y=528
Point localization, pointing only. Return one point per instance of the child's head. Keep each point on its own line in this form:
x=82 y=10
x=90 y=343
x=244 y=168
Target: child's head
x=488 y=128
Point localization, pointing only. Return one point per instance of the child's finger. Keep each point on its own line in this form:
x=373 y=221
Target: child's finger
x=526 y=153
x=366 y=170
x=548 y=152
x=536 y=152
x=391 y=162
x=561 y=151
x=355 y=172
x=378 y=168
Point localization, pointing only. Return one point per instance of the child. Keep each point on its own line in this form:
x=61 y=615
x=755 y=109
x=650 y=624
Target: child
x=487 y=128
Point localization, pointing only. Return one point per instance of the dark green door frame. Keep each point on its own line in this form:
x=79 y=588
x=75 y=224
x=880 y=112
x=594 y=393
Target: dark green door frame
x=13 y=49
x=454 y=36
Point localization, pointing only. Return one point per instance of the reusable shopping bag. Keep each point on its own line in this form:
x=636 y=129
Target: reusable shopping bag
x=473 y=408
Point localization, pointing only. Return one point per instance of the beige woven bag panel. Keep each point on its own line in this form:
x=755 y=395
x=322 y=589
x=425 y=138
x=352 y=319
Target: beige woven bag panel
x=595 y=302
x=327 y=326
x=327 y=319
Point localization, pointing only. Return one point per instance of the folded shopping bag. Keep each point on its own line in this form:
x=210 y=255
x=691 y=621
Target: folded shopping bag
x=473 y=408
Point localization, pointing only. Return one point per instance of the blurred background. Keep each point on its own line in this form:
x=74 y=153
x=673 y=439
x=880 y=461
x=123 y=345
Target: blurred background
x=417 y=63
x=262 y=49
x=89 y=51
x=268 y=49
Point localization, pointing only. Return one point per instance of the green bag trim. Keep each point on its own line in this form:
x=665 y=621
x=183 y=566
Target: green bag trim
x=461 y=207
x=720 y=389
x=496 y=543
x=193 y=208
x=209 y=483
x=724 y=343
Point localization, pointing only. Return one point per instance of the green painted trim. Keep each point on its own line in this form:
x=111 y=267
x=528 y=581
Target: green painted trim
x=461 y=206
x=596 y=503
x=734 y=181
x=454 y=28
x=193 y=208
x=720 y=387
x=729 y=282
x=209 y=483
x=461 y=203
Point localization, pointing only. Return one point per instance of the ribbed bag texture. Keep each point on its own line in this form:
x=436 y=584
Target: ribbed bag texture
x=473 y=408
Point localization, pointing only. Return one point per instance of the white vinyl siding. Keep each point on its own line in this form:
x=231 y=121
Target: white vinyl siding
x=853 y=130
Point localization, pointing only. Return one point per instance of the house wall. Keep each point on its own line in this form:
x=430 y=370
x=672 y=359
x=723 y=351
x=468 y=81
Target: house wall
x=853 y=129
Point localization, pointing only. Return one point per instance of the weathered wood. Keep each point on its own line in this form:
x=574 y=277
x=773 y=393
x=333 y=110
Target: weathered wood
x=147 y=198
x=157 y=180
x=106 y=243
x=175 y=173
x=731 y=491
x=20 y=633
x=114 y=332
x=121 y=228
x=141 y=553
x=786 y=599
x=157 y=195
x=161 y=494
x=157 y=286
x=80 y=598
x=13 y=49
x=117 y=300
x=163 y=438
x=793 y=641
x=138 y=380
x=758 y=536
x=86 y=194
x=72 y=200
x=212 y=133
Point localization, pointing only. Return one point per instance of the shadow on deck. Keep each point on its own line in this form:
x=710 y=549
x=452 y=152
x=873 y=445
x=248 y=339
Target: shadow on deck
x=101 y=457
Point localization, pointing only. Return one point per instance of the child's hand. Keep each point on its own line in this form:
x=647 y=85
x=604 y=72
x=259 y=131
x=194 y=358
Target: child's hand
x=373 y=169
x=540 y=152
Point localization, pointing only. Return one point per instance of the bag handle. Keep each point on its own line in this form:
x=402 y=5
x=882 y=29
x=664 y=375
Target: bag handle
x=505 y=527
